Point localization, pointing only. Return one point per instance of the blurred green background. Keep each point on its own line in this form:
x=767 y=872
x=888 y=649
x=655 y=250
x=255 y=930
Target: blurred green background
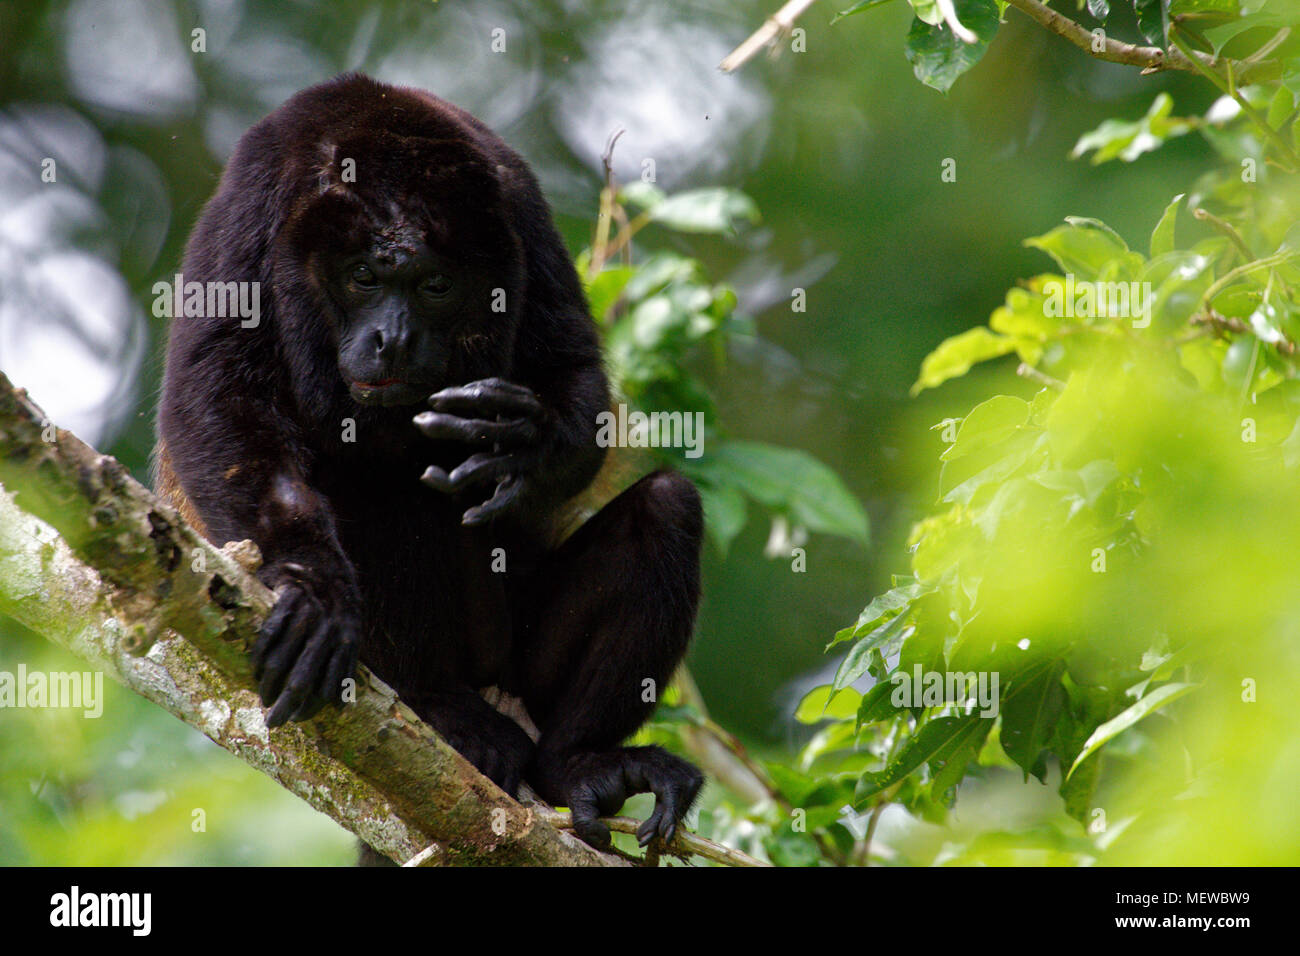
x=839 y=145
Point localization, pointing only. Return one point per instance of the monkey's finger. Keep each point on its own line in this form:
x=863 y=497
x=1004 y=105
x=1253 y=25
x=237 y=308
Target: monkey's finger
x=476 y=469
x=483 y=466
x=318 y=690
x=300 y=686
x=280 y=659
x=342 y=666
x=505 y=496
x=648 y=830
x=584 y=810
x=475 y=431
x=678 y=800
x=491 y=396
x=314 y=705
x=273 y=627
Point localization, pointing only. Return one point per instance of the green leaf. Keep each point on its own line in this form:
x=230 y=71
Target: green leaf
x=889 y=603
x=949 y=767
x=826 y=702
x=955 y=356
x=858 y=659
x=603 y=291
x=710 y=210
x=1274 y=13
x=926 y=11
x=938 y=56
x=797 y=484
x=988 y=424
x=1153 y=21
x=1128 y=717
x=939 y=740
x=876 y=704
x=857 y=8
x=725 y=512
x=1083 y=248
x=1129 y=140
x=1004 y=467
x=1178 y=280
x=1162 y=237
x=659 y=270
x=1031 y=704
x=1280 y=107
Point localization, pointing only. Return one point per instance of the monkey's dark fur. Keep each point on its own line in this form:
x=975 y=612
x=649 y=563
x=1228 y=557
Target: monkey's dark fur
x=407 y=261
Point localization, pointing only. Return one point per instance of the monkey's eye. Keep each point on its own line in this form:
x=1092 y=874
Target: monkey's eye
x=436 y=285
x=363 y=278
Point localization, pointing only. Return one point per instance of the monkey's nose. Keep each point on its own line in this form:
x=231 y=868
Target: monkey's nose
x=390 y=344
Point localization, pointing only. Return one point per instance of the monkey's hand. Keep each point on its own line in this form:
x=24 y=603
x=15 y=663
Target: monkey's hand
x=595 y=785
x=307 y=647
x=505 y=419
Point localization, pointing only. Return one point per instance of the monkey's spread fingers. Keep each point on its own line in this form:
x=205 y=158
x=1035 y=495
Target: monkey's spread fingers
x=475 y=431
x=273 y=627
x=477 y=468
x=505 y=495
x=491 y=396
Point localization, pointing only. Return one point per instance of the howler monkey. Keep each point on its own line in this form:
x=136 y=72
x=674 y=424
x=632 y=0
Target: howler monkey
x=399 y=431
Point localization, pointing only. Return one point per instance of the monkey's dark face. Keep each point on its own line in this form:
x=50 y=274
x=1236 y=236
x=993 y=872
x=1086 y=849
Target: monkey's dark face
x=403 y=311
x=417 y=294
x=406 y=250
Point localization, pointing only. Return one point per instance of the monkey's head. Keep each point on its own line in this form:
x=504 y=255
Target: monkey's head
x=404 y=244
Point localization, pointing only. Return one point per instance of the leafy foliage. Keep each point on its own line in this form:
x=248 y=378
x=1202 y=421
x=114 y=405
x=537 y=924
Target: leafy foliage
x=1101 y=546
x=661 y=318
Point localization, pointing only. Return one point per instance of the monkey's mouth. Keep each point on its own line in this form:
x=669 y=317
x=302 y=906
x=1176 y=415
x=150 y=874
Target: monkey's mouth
x=389 y=391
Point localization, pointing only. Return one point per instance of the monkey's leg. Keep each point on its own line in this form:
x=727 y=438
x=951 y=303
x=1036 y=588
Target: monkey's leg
x=610 y=614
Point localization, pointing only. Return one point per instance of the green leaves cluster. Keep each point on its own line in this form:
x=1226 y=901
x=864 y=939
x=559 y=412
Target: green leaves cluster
x=948 y=37
x=1102 y=534
x=666 y=326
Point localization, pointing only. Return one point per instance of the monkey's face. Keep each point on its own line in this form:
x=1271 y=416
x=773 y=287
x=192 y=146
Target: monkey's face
x=402 y=311
x=419 y=288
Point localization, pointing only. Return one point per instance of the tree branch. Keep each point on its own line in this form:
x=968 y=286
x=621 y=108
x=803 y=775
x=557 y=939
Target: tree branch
x=134 y=591
x=1152 y=59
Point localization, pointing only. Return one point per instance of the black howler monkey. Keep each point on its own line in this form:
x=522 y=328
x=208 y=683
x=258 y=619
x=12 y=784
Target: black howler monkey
x=407 y=260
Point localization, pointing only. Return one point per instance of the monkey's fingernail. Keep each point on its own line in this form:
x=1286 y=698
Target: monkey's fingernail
x=435 y=477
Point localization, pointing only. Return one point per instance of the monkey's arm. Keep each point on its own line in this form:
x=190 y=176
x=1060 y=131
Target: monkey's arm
x=236 y=460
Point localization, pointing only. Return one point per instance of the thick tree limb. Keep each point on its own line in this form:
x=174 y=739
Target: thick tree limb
x=134 y=591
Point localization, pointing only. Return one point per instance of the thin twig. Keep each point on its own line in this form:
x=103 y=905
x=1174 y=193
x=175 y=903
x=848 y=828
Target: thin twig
x=683 y=846
x=778 y=23
x=600 y=245
x=1025 y=370
x=1227 y=229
